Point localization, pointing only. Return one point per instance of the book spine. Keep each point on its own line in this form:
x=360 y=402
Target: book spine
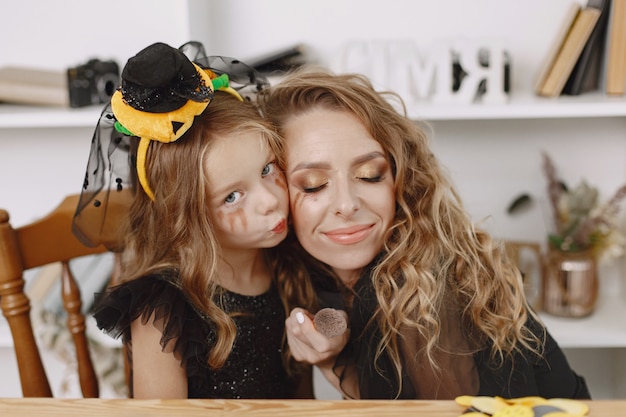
x=585 y=75
x=570 y=52
x=616 y=60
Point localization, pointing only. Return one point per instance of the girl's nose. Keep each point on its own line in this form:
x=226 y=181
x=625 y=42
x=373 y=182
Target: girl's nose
x=269 y=198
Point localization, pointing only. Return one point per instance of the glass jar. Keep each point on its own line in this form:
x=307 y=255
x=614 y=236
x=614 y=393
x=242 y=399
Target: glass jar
x=570 y=283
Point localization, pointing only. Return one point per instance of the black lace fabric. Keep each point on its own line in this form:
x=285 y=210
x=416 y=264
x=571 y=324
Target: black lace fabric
x=254 y=368
x=109 y=185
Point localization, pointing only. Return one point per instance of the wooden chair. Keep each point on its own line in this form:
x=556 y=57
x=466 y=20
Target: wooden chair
x=37 y=244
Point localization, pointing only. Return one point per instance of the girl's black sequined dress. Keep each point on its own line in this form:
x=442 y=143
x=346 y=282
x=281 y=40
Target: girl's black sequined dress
x=254 y=368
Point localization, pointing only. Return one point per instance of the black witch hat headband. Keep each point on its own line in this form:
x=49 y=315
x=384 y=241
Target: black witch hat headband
x=161 y=93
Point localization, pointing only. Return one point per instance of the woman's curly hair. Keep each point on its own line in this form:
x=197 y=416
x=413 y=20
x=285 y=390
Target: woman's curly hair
x=432 y=253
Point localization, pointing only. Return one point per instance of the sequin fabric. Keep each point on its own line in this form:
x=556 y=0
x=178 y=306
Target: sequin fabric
x=254 y=368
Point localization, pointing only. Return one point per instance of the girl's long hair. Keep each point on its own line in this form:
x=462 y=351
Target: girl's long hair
x=175 y=231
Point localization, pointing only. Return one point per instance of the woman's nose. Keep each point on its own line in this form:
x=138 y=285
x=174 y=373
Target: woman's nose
x=346 y=201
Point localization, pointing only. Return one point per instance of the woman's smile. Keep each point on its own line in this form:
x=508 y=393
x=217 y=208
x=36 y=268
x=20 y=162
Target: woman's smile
x=349 y=235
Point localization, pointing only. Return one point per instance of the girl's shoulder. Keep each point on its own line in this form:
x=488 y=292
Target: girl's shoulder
x=151 y=295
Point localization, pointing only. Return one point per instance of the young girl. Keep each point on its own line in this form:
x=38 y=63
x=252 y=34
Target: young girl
x=198 y=308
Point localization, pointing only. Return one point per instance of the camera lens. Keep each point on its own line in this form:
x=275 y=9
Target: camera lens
x=106 y=85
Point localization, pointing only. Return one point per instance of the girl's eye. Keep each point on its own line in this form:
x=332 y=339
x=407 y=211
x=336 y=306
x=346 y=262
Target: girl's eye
x=268 y=169
x=233 y=197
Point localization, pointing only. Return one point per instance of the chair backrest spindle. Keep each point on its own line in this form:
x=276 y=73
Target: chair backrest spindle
x=42 y=242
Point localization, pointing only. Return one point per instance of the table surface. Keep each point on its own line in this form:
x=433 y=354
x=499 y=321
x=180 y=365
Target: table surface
x=46 y=407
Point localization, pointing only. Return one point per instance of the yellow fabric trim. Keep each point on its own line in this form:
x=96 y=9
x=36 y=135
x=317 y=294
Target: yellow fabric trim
x=142 y=152
x=233 y=92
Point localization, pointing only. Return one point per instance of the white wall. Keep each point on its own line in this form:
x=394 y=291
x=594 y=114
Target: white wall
x=64 y=33
x=43 y=165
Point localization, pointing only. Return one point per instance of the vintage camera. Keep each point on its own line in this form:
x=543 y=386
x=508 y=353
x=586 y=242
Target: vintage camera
x=93 y=82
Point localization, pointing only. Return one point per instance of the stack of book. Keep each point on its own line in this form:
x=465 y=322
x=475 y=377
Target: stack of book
x=24 y=85
x=589 y=52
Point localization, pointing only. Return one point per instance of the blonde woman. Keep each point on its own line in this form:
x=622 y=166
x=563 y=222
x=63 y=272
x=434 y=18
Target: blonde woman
x=435 y=308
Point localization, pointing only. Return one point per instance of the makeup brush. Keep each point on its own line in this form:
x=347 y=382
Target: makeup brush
x=330 y=322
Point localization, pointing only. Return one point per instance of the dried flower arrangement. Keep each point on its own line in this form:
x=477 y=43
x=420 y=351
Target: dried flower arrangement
x=579 y=221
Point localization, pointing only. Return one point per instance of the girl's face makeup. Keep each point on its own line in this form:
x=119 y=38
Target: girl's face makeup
x=341 y=189
x=249 y=201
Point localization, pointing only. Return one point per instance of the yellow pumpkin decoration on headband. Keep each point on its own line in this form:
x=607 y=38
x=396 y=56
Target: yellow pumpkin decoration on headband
x=161 y=94
x=163 y=127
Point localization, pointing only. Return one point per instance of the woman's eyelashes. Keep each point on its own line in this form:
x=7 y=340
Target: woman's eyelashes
x=373 y=178
x=371 y=172
x=313 y=182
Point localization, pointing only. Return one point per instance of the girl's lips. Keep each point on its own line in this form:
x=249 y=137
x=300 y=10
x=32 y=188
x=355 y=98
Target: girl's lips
x=280 y=227
x=349 y=235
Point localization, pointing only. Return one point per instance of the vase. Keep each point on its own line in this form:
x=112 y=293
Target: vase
x=570 y=283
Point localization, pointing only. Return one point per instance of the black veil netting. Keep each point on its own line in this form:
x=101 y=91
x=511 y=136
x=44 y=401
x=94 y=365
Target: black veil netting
x=243 y=78
x=111 y=180
x=109 y=185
